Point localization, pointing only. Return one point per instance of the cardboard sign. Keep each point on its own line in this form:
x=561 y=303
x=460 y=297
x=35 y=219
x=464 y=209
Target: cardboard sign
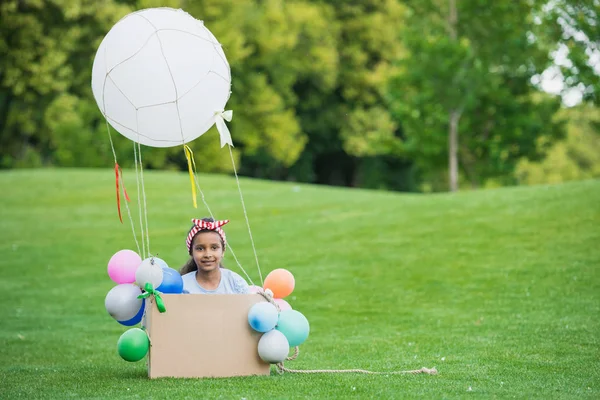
x=203 y=336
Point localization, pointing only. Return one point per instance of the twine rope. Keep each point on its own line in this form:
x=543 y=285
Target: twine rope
x=268 y=295
x=237 y=180
x=139 y=197
x=281 y=369
x=144 y=195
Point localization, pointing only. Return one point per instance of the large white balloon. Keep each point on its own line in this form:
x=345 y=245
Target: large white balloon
x=160 y=77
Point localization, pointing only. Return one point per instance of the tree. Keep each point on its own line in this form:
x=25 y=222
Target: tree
x=347 y=121
x=574 y=158
x=50 y=116
x=44 y=77
x=572 y=27
x=463 y=94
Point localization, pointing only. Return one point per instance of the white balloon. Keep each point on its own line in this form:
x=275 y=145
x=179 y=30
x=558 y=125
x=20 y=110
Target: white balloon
x=122 y=303
x=159 y=77
x=149 y=271
x=161 y=263
x=273 y=347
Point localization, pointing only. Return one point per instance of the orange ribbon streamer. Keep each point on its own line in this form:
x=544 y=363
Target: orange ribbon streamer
x=119 y=176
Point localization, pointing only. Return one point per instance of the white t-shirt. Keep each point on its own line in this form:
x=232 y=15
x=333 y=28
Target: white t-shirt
x=231 y=283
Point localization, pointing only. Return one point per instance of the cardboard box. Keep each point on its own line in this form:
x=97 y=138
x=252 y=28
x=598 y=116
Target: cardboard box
x=203 y=336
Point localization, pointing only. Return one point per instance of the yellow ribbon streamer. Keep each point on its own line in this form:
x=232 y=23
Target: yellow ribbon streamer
x=189 y=155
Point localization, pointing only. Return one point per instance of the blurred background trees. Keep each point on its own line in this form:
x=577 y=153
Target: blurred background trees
x=415 y=95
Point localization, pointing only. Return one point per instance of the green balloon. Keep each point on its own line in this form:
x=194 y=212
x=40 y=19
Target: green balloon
x=133 y=345
x=294 y=327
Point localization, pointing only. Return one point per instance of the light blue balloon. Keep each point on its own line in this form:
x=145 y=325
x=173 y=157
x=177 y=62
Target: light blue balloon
x=263 y=317
x=172 y=282
x=294 y=326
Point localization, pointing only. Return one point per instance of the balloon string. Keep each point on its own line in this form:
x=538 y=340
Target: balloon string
x=138 y=160
x=189 y=155
x=144 y=196
x=112 y=147
x=137 y=179
x=119 y=176
x=238 y=263
x=246 y=216
x=229 y=247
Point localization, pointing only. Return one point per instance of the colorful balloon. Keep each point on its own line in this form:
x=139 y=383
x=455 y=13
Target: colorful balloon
x=281 y=282
x=122 y=266
x=149 y=272
x=138 y=317
x=133 y=345
x=283 y=305
x=263 y=317
x=273 y=347
x=294 y=326
x=122 y=302
x=172 y=281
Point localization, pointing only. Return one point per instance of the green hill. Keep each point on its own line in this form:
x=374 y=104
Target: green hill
x=498 y=289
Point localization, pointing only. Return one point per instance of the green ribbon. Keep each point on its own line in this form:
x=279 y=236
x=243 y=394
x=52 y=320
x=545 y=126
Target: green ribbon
x=150 y=291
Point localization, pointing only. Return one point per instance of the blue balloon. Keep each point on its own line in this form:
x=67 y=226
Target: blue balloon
x=172 y=282
x=138 y=317
x=263 y=317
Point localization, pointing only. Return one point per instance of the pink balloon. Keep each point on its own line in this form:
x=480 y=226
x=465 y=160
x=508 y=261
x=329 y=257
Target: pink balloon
x=122 y=266
x=283 y=305
x=252 y=289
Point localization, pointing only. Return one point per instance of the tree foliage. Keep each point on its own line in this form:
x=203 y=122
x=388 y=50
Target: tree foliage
x=576 y=157
x=47 y=49
x=471 y=67
x=574 y=26
x=351 y=92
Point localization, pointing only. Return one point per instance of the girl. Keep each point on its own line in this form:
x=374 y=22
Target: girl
x=204 y=273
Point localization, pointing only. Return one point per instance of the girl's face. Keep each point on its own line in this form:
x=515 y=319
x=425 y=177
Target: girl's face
x=207 y=251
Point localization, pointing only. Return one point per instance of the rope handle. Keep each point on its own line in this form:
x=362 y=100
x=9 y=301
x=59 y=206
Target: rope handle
x=280 y=368
x=268 y=295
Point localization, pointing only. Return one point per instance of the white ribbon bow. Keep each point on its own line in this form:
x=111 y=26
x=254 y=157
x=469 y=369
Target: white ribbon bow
x=220 y=118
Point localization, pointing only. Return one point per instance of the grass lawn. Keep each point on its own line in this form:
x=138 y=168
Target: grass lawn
x=498 y=289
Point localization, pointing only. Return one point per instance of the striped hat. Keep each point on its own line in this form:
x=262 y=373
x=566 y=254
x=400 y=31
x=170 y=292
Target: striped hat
x=201 y=225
